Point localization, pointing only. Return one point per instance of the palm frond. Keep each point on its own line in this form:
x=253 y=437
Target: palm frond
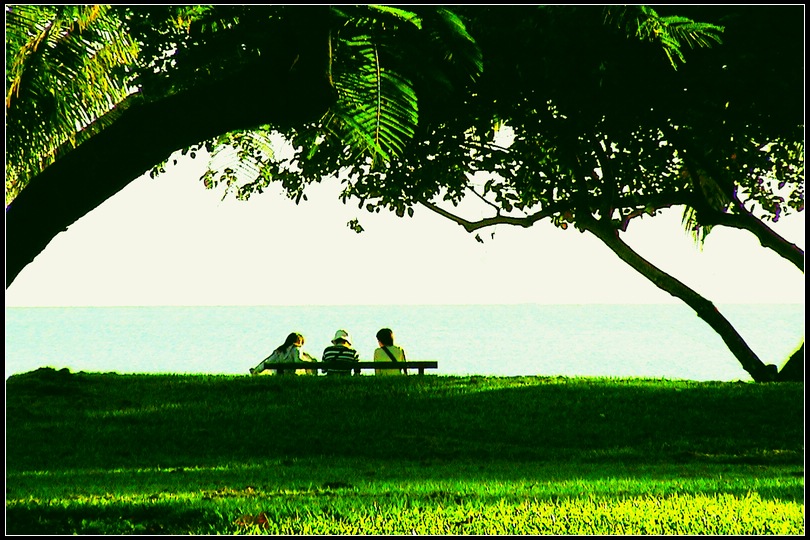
x=374 y=117
x=459 y=46
x=693 y=227
x=402 y=15
x=712 y=195
x=671 y=33
x=240 y=160
x=66 y=70
x=377 y=110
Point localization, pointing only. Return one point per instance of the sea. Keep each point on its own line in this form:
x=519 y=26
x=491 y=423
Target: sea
x=666 y=341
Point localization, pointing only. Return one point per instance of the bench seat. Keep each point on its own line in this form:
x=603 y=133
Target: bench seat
x=356 y=367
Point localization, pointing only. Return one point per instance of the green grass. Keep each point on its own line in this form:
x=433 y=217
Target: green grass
x=91 y=453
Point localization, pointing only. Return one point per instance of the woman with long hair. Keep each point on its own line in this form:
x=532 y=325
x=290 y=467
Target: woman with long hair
x=289 y=351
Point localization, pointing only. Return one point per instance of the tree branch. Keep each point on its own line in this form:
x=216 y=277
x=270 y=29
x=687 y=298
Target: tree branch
x=653 y=202
x=767 y=237
x=490 y=203
x=470 y=226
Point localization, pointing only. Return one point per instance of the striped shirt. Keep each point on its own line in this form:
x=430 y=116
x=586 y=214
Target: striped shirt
x=339 y=353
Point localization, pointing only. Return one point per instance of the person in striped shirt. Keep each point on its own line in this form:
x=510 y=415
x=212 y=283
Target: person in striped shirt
x=341 y=351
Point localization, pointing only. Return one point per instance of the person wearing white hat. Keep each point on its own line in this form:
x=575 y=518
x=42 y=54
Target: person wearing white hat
x=340 y=351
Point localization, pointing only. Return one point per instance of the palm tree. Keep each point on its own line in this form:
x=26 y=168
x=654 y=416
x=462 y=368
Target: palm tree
x=66 y=68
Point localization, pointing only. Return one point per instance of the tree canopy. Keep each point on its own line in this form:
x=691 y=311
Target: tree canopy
x=616 y=112
x=603 y=138
x=210 y=72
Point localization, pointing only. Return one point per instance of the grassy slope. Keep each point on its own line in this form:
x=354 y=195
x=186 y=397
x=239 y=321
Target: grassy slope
x=58 y=420
x=231 y=437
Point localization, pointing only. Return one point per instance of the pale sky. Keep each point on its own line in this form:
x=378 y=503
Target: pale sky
x=168 y=241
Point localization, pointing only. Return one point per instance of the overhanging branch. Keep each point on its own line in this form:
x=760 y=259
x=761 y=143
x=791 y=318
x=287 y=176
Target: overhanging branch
x=470 y=226
x=646 y=204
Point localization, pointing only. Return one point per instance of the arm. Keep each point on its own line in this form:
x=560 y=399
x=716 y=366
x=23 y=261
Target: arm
x=263 y=364
x=404 y=359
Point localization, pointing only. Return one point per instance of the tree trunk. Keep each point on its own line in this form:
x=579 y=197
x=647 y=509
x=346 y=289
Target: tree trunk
x=290 y=87
x=741 y=218
x=704 y=308
x=793 y=370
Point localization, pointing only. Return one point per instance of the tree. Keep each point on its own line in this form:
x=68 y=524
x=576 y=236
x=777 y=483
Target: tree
x=289 y=86
x=207 y=72
x=604 y=138
x=605 y=130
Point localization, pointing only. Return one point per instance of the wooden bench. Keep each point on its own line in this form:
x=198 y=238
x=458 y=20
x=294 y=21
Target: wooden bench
x=420 y=366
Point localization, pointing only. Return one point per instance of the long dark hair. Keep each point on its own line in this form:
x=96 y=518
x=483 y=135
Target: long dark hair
x=291 y=340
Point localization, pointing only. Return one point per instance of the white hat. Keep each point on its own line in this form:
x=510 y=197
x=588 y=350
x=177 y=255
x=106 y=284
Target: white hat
x=344 y=335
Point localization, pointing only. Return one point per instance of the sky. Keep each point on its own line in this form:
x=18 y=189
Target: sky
x=169 y=241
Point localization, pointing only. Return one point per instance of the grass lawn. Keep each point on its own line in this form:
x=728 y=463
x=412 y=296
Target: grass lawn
x=103 y=453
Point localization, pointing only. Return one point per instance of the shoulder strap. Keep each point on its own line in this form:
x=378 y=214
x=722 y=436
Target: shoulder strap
x=390 y=354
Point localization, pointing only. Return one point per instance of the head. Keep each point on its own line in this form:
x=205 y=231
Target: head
x=385 y=337
x=294 y=339
x=342 y=337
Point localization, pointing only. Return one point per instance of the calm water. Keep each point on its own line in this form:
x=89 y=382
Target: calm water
x=662 y=341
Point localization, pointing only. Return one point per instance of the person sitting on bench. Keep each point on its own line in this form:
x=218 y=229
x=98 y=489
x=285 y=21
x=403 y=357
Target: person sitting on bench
x=340 y=351
x=289 y=351
x=388 y=352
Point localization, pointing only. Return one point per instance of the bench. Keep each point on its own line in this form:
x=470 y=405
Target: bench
x=420 y=366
